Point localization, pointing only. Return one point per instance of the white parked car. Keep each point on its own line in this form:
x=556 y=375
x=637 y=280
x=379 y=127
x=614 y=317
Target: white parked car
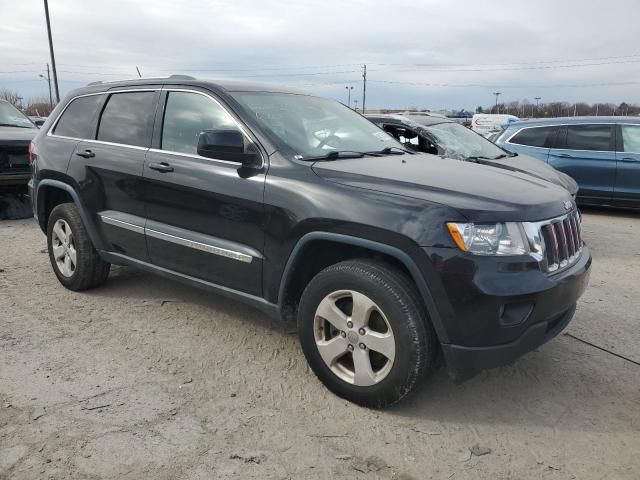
x=488 y=124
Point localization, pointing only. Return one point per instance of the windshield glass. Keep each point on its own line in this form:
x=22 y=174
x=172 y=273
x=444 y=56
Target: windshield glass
x=313 y=126
x=461 y=143
x=10 y=116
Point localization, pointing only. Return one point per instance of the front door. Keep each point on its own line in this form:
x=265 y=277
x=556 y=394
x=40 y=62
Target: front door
x=204 y=216
x=586 y=153
x=109 y=167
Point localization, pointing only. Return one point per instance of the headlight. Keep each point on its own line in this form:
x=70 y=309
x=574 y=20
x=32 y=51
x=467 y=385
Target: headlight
x=489 y=239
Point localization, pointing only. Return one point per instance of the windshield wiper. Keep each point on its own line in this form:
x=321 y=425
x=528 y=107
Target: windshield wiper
x=391 y=151
x=335 y=155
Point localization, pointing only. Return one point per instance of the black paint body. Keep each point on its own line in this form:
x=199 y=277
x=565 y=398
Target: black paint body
x=396 y=206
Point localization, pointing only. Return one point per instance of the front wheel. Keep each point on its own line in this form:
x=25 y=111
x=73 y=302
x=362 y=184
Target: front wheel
x=365 y=333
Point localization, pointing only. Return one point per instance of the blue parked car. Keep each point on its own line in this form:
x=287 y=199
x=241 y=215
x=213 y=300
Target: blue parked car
x=602 y=154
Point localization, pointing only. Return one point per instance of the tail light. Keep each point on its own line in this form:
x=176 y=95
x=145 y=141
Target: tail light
x=32 y=152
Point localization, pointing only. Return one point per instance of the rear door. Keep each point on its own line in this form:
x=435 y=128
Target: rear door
x=627 y=186
x=108 y=169
x=586 y=152
x=205 y=216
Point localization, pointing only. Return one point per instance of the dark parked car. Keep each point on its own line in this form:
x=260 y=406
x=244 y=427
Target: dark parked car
x=602 y=154
x=440 y=136
x=308 y=211
x=16 y=132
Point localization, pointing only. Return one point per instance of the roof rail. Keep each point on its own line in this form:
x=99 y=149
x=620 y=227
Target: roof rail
x=169 y=77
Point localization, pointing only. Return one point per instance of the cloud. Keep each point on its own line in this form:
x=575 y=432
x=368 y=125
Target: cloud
x=320 y=45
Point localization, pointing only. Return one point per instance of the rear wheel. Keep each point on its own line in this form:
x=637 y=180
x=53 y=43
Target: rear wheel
x=364 y=332
x=73 y=258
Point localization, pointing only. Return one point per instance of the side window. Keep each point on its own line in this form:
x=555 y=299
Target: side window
x=76 y=121
x=534 y=136
x=631 y=138
x=186 y=116
x=589 y=137
x=127 y=118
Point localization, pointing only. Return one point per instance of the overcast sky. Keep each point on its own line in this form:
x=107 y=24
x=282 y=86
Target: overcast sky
x=425 y=53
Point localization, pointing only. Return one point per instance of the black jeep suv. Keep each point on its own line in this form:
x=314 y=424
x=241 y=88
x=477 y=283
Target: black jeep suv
x=305 y=209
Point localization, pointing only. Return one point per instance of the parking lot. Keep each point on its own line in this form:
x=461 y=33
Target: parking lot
x=145 y=377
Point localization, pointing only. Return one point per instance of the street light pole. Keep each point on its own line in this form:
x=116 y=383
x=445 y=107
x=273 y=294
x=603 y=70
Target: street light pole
x=537 y=99
x=53 y=58
x=48 y=79
x=349 y=96
x=497 y=94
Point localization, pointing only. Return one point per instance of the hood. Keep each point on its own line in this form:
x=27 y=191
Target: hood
x=479 y=192
x=16 y=135
x=536 y=168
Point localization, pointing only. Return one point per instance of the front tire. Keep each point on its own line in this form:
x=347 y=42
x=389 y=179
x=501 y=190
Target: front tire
x=365 y=333
x=74 y=260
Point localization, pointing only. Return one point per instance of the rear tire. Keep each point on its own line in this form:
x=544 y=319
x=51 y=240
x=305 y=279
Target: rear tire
x=75 y=261
x=373 y=358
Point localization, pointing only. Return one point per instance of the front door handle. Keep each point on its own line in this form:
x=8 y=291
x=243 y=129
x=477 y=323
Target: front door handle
x=86 y=154
x=163 y=167
x=630 y=160
x=564 y=155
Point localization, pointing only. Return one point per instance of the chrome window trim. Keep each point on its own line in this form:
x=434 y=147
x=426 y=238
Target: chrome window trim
x=233 y=118
x=508 y=141
x=204 y=247
x=122 y=224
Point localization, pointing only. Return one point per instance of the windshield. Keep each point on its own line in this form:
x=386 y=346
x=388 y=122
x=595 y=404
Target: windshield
x=10 y=116
x=313 y=126
x=461 y=143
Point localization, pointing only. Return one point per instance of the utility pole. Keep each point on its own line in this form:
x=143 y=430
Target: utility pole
x=349 y=96
x=138 y=70
x=497 y=94
x=53 y=58
x=597 y=105
x=48 y=79
x=355 y=105
x=537 y=99
x=364 y=87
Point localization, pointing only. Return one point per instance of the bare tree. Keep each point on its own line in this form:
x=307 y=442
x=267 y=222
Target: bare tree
x=11 y=96
x=38 y=106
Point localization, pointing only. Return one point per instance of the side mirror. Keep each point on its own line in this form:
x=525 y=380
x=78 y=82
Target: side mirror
x=225 y=145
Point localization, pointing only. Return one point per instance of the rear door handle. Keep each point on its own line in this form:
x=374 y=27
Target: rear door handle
x=86 y=154
x=630 y=160
x=161 y=167
x=564 y=155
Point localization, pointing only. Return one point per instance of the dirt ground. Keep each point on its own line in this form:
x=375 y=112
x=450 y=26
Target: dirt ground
x=147 y=378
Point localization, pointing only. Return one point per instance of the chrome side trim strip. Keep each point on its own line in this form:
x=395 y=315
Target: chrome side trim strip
x=121 y=224
x=223 y=252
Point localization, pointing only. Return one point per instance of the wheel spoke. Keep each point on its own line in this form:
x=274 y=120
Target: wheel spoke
x=72 y=254
x=58 y=229
x=381 y=342
x=67 y=265
x=364 y=375
x=332 y=314
x=58 y=251
x=362 y=308
x=332 y=350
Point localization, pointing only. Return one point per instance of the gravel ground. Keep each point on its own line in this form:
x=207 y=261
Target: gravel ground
x=147 y=378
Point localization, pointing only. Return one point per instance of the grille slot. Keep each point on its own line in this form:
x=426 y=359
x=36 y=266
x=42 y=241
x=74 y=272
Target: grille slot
x=563 y=242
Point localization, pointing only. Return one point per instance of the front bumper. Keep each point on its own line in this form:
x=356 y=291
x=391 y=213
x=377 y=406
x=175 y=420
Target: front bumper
x=497 y=310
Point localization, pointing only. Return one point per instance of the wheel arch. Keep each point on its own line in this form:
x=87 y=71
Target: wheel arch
x=397 y=256
x=51 y=193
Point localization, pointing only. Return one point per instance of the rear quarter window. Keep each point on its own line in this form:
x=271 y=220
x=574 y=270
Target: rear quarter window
x=76 y=120
x=534 y=136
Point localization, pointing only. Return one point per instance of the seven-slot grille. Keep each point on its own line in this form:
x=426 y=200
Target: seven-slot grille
x=563 y=241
